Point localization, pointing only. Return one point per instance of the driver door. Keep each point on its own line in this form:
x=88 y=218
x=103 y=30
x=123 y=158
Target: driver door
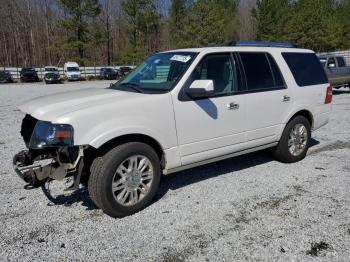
x=213 y=126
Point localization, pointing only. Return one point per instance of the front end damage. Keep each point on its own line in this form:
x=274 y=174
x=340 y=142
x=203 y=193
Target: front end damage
x=51 y=154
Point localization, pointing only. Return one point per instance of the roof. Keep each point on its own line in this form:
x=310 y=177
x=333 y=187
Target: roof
x=242 y=49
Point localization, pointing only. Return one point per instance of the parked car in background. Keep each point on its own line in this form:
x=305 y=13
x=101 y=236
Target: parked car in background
x=72 y=71
x=178 y=109
x=124 y=70
x=29 y=74
x=108 y=73
x=50 y=69
x=5 y=77
x=51 y=75
x=338 y=72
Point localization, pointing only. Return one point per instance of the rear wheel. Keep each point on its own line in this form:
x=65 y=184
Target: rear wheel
x=125 y=179
x=294 y=142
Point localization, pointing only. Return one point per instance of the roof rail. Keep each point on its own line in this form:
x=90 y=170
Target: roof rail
x=260 y=44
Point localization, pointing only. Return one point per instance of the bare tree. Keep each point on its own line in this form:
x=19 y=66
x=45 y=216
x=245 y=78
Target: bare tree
x=246 y=29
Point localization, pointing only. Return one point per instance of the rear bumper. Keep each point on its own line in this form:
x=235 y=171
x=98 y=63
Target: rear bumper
x=321 y=119
x=29 y=79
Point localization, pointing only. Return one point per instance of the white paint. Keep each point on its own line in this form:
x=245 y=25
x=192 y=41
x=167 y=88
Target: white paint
x=188 y=131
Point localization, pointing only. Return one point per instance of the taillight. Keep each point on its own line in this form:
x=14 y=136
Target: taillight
x=329 y=95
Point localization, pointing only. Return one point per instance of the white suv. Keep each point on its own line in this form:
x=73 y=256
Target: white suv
x=177 y=110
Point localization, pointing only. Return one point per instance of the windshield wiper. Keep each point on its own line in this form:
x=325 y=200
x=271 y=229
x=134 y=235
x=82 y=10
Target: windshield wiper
x=134 y=86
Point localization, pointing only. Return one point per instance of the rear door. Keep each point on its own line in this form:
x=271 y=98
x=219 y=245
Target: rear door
x=268 y=98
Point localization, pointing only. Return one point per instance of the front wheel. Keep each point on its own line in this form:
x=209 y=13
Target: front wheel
x=294 y=142
x=125 y=179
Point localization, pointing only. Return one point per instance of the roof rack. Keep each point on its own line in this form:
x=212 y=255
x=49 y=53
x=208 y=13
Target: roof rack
x=259 y=44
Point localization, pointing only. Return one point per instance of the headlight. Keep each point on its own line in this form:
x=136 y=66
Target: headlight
x=46 y=134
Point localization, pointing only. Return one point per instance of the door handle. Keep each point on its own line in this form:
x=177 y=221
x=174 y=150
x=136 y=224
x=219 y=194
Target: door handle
x=232 y=106
x=285 y=98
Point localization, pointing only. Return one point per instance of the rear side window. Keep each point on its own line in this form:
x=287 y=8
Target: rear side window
x=279 y=82
x=261 y=71
x=341 y=62
x=306 y=68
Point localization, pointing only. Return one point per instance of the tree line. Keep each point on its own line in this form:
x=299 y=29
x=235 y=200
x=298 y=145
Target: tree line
x=107 y=32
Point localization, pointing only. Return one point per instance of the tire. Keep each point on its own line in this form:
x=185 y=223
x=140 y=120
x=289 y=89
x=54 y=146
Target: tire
x=283 y=152
x=103 y=172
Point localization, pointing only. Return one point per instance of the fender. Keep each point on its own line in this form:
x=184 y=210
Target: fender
x=290 y=116
x=101 y=139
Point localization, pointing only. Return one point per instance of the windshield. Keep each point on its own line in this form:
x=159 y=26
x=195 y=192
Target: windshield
x=73 y=69
x=50 y=69
x=159 y=72
x=28 y=69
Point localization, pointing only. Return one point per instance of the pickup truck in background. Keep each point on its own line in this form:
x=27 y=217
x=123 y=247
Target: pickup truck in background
x=338 y=72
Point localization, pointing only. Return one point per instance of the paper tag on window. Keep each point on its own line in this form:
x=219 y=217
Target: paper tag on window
x=181 y=58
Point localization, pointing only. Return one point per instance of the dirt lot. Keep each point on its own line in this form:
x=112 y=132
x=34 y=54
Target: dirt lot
x=249 y=208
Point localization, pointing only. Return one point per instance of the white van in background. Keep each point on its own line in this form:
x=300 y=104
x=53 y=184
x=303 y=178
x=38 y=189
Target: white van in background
x=71 y=71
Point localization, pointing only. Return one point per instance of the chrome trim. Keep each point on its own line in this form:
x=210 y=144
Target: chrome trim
x=215 y=159
x=232 y=106
x=285 y=98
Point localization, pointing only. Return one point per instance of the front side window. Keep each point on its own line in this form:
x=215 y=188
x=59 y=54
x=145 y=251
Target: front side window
x=220 y=69
x=306 y=68
x=341 y=62
x=323 y=61
x=261 y=71
x=331 y=62
x=159 y=73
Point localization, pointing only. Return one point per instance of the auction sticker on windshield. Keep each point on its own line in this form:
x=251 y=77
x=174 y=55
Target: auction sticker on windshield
x=181 y=58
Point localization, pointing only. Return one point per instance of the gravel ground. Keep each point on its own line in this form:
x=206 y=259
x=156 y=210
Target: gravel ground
x=249 y=208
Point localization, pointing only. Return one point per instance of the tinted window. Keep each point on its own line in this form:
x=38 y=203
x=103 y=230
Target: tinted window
x=220 y=69
x=258 y=71
x=323 y=61
x=279 y=82
x=306 y=68
x=341 y=62
x=331 y=62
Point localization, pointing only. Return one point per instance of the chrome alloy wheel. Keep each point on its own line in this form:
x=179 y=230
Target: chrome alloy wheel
x=132 y=180
x=297 y=140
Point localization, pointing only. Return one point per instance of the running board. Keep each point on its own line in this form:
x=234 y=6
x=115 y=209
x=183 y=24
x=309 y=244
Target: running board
x=215 y=159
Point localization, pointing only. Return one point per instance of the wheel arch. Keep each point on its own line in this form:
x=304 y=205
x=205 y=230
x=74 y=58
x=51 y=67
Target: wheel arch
x=301 y=112
x=136 y=137
x=305 y=113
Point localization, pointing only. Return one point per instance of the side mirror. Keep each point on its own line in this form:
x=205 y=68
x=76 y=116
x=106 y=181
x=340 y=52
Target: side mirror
x=201 y=89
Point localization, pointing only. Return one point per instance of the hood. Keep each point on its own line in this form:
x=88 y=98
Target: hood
x=51 y=108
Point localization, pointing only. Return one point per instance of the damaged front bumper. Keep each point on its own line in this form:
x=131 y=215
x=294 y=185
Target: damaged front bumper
x=35 y=169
